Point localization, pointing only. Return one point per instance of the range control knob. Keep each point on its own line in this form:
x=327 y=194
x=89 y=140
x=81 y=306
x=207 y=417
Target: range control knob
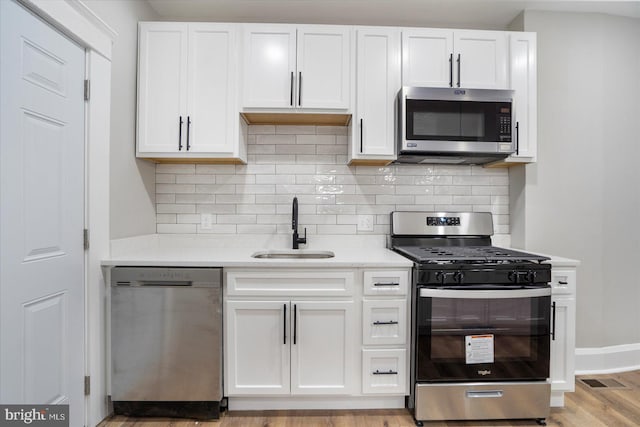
x=458 y=276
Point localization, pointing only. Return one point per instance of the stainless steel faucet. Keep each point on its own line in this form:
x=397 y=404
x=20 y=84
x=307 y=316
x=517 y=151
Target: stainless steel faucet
x=294 y=225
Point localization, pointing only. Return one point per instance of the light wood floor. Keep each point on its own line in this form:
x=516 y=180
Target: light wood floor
x=587 y=407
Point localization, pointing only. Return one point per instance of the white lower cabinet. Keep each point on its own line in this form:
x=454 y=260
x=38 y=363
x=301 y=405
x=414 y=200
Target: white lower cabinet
x=276 y=345
x=563 y=329
x=321 y=347
x=257 y=348
x=282 y=347
x=302 y=338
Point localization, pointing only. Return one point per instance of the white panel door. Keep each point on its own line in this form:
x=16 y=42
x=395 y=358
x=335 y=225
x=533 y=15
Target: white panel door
x=269 y=66
x=210 y=88
x=480 y=59
x=323 y=61
x=378 y=81
x=257 y=348
x=41 y=214
x=322 y=347
x=427 y=56
x=162 y=87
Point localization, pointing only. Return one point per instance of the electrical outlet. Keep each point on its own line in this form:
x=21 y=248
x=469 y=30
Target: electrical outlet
x=206 y=221
x=365 y=222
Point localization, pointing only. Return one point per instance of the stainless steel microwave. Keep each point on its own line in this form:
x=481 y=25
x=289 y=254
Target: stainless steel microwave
x=453 y=125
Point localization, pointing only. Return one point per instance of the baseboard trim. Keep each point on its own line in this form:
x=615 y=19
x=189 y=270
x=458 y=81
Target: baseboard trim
x=302 y=402
x=607 y=360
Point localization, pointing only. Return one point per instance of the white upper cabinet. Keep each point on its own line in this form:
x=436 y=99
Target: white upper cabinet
x=287 y=66
x=524 y=83
x=455 y=58
x=187 y=91
x=162 y=86
x=378 y=80
x=427 y=56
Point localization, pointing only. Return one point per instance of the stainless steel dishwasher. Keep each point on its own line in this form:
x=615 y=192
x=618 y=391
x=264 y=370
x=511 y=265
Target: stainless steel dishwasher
x=166 y=341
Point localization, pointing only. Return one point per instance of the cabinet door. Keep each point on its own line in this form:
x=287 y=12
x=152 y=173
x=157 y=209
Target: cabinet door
x=426 y=57
x=322 y=347
x=269 y=66
x=480 y=59
x=562 y=365
x=211 y=88
x=323 y=64
x=378 y=81
x=162 y=86
x=523 y=82
x=257 y=348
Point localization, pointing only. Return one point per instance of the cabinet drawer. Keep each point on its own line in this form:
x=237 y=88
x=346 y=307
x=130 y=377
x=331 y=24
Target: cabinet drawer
x=384 y=322
x=563 y=281
x=384 y=371
x=382 y=282
x=289 y=282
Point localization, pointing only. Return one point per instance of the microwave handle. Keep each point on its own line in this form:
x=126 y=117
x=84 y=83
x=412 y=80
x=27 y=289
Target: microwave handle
x=517 y=138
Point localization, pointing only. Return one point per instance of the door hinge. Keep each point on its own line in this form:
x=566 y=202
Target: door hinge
x=85 y=237
x=87 y=89
x=87 y=385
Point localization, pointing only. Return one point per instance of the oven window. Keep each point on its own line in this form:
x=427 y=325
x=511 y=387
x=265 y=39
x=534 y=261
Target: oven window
x=458 y=338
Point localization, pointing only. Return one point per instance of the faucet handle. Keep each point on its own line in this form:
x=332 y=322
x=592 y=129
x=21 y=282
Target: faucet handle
x=304 y=239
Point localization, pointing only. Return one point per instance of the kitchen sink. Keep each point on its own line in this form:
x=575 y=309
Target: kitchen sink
x=294 y=253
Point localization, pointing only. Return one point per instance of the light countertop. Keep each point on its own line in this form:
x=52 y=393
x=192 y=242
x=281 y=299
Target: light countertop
x=235 y=251
x=190 y=250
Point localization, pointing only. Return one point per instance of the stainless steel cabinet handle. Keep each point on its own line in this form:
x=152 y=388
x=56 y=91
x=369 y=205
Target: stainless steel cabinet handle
x=188 y=131
x=386 y=284
x=389 y=372
x=484 y=393
x=458 y=70
x=392 y=322
x=180 y=134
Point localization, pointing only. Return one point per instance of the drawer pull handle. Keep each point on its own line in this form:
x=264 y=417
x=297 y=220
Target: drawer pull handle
x=562 y=282
x=484 y=393
x=386 y=284
x=391 y=322
x=389 y=372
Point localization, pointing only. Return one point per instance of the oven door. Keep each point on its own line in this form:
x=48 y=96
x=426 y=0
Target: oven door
x=482 y=334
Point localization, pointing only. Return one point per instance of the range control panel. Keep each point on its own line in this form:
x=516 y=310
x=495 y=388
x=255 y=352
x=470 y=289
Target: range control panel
x=443 y=220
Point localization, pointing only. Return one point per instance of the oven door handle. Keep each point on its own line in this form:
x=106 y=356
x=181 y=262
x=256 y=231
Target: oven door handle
x=483 y=294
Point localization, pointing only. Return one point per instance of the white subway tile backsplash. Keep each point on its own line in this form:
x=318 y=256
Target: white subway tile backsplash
x=195 y=179
x=310 y=162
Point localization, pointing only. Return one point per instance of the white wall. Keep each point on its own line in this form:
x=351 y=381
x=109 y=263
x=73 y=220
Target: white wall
x=132 y=181
x=582 y=198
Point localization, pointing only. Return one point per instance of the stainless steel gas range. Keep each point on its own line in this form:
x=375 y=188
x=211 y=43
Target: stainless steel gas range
x=481 y=320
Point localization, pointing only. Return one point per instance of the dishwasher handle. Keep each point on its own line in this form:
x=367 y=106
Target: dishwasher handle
x=154 y=283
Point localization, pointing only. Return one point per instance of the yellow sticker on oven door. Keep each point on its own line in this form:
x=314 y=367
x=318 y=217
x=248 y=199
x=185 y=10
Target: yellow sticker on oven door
x=478 y=349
